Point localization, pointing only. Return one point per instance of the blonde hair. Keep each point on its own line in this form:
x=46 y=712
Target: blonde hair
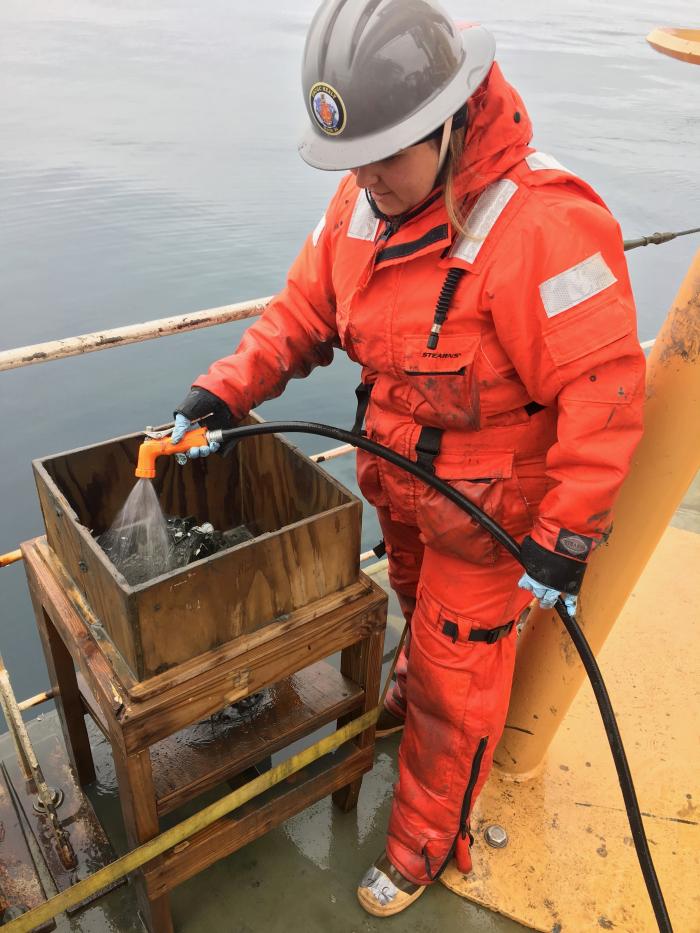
x=448 y=175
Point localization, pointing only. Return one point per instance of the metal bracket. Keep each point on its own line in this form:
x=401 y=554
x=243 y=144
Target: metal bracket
x=56 y=797
x=157 y=434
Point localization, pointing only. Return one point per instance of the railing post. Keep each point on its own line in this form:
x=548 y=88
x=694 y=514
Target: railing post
x=548 y=672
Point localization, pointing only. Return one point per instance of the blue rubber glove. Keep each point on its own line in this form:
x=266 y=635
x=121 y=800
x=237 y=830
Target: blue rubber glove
x=546 y=595
x=182 y=426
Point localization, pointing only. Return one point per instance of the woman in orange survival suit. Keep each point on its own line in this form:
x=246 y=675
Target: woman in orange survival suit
x=483 y=289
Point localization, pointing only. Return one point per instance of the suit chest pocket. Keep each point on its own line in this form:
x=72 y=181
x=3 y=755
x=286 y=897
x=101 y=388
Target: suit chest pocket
x=444 y=377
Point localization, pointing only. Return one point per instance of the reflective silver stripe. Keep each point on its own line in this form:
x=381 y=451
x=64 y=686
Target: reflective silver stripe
x=318 y=230
x=363 y=224
x=381 y=887
x=537 y=161
x=576 y=284
x=482 y=217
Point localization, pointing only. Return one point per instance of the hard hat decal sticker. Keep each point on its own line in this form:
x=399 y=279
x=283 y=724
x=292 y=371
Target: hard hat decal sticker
x=328 y=108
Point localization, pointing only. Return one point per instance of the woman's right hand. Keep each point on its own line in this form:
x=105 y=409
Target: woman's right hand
x=182 y=426
x=201 y=405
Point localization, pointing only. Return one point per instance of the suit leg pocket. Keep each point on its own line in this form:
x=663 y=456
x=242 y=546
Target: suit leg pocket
x=438 y=690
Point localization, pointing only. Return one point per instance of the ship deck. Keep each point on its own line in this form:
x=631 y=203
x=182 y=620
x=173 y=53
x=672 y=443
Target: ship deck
x=302 y=875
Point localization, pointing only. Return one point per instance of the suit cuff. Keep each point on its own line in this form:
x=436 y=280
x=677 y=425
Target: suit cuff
x=553 y=570
x=200 y=402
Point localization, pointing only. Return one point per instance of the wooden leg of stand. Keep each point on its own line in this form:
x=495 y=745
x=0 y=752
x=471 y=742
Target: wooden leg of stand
x=68 y=703
x=138 y=802
x=361 y=662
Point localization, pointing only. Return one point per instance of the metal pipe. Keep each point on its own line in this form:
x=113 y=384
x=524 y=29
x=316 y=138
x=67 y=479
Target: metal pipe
x=6 y=700
x=138 y=333
x=167 y=326
x=10 y=558
x=31 y=767
x=656 y=239
x=332 y=453
x=36 y=700
x=132 y=333
x=547 y=677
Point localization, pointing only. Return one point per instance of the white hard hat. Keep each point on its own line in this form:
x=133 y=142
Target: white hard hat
x=380 y=75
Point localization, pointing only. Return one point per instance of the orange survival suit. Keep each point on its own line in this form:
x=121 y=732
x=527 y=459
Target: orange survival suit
x=529 y=402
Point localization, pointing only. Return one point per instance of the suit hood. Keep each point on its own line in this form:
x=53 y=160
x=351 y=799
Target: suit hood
x=498 y=134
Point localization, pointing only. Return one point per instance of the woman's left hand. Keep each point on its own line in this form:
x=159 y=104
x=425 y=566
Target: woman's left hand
x=546 y=595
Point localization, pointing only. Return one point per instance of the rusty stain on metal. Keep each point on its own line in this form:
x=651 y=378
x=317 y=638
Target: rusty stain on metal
x=684 y=338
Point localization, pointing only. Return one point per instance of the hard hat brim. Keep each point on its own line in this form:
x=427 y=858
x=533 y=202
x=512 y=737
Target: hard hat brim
x=335 y=154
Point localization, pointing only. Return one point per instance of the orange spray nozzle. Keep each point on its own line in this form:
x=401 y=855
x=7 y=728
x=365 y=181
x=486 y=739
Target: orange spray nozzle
x=152 y=448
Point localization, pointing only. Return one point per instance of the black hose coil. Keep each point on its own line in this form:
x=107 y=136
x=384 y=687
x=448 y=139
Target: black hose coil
x=581 y=644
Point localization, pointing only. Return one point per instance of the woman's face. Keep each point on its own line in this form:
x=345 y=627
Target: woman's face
x=402 y=181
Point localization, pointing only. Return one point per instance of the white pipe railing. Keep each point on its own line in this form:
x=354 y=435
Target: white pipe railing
x=132 y=333
x=138 y=333
x=332 y=454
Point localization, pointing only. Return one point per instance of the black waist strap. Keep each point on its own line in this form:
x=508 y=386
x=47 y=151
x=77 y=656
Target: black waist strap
x=489 y=635
x=428 y=447
x=533 y=407
x=429 y=439
x=363 y=392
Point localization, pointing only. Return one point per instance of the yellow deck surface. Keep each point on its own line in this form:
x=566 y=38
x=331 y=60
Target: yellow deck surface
x=570 y=864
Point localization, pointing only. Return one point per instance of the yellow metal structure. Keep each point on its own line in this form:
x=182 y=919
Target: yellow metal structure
x=569 y=864
x=548 y=672
x=683 y=44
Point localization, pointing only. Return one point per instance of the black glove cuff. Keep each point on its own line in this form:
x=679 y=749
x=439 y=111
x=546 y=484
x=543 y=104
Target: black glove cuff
x=553 y=570
x=200 y=403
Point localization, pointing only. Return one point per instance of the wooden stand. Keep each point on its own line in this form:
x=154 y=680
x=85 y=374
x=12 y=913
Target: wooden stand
x=152 y=724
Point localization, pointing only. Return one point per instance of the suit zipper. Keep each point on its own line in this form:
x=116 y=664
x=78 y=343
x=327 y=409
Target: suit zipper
x=473 y=778
x=466 y=807
x=387 y=232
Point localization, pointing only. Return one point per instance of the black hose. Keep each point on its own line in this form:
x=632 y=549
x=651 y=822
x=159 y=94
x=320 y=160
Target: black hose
x=584 y=649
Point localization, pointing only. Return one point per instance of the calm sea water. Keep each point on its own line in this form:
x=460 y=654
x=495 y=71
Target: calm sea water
x=148 y=167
